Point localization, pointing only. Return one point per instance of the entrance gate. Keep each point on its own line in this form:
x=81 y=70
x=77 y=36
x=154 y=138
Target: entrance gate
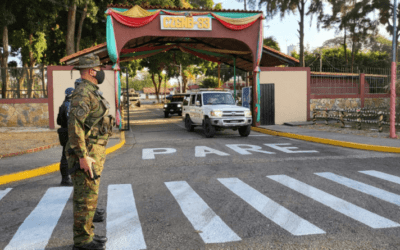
x=267 y=104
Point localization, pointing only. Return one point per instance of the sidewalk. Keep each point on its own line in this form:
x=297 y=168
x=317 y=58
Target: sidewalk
x=332 y=138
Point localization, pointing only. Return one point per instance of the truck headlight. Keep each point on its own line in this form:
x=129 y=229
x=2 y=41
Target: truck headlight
x=247 y=113
x=179 y=105
x=165 y=105
x=216 y=113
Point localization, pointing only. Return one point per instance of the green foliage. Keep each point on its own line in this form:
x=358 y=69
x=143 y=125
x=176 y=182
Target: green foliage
x=139 y=83
x=218 y=6
x=210 y=82
x=132 y=67
x=35 y=44
x=226 y=73
x=202 y=3
x=271 y=42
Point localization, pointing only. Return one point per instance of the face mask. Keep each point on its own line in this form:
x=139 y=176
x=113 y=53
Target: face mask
x=100 y=76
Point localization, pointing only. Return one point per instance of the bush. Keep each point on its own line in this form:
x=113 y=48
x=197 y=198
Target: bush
x=209 y=82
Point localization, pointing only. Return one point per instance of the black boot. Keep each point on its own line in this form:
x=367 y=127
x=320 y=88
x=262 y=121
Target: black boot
x=93 y=245
x=98 y=216
x=101 y=239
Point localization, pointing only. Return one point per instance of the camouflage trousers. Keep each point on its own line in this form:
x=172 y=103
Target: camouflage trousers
x=85 y=195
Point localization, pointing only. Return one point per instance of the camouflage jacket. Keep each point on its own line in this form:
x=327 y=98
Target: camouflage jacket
x=87 y=107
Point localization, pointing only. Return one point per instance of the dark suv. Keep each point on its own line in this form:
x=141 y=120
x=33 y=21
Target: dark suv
x=175 y=106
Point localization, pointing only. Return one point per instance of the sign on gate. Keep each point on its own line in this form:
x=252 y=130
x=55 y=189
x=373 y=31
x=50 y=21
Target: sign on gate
x=186 y=23
x=246 y=97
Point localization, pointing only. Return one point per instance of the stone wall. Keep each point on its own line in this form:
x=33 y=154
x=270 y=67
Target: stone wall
x=24 y=115
x=351 y=103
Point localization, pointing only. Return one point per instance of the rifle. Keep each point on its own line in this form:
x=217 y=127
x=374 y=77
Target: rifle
x=77 y=167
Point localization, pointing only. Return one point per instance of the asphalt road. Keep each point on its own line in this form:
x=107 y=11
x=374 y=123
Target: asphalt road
x=171 y=189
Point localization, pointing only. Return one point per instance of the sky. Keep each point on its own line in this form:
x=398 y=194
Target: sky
x=285 y=30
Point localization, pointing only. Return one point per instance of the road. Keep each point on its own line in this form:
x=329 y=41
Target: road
x=172 y=189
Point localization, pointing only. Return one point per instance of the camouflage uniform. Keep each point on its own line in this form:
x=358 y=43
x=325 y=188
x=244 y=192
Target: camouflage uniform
x=87 y=109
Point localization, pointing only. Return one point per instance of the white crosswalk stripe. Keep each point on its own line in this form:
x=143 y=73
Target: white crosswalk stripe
x=341 y=206
x=383 y=176
x=270 y=209
x=364 y=188
x=210 y=226
x=124 y=230
x=36 y=230
x=4 y=192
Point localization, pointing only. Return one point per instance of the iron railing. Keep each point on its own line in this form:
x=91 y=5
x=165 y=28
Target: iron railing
x=23 y=82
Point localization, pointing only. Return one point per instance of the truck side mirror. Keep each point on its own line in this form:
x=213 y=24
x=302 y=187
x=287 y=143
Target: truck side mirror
x=197 y=103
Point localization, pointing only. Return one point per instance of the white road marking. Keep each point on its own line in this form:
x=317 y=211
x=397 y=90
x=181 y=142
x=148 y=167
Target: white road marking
x=4 y=192
x=341 y=206
x=180 y=126
x=36 y=230
x=202 y=151
x=364 y=188
x=288 y=150
x=244 y=149
x=149 y=153
x=383 y=176
x=260 y=135
x=123 y=225
x=270 y=209
x=210 y=226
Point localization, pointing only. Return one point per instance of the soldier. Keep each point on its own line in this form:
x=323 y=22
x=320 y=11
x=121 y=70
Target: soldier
x=89 y=128
x=62 y=120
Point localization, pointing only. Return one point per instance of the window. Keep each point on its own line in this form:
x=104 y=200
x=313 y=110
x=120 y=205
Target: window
x=218 y=98
x=186 y=100
x=192 y=100
x=198 y=98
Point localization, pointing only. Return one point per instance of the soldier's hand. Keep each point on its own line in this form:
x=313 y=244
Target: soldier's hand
x=86 y=164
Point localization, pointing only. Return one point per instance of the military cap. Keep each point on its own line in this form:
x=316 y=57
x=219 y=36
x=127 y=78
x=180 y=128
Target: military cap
x=89 y=61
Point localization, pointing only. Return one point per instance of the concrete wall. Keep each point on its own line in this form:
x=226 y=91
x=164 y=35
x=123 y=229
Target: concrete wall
x=290 y=92
x=62 y=80
x=24 y=115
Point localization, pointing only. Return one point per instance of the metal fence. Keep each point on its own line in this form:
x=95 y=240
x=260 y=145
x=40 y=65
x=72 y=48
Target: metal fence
x=23 y=82
x=345 y=81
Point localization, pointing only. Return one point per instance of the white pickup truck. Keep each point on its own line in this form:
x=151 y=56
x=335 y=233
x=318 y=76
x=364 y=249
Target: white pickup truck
x=215 y=110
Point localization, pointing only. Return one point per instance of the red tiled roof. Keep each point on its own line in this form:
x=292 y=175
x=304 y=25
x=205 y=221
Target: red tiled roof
x=128 y=6
x=280 y=53
x=83 y=52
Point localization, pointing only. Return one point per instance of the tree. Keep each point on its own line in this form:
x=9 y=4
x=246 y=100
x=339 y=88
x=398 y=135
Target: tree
x=209 y=82
x=271 y=42
x=385 y=8
x=286 y=6
x=6 y=19
x=250 y=3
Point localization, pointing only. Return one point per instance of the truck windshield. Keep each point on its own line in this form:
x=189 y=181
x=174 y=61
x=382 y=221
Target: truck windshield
x=218 y=98
x=178 y=98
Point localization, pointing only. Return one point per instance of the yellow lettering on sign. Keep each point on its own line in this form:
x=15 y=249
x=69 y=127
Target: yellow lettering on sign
x=165 y=22
x=178 y=23
x=184 y=22
x=200 y=24
x=206 y=23
x=190 y=22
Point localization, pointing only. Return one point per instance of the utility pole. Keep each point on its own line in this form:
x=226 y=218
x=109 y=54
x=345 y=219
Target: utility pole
x=180 y=79
x=393 y=80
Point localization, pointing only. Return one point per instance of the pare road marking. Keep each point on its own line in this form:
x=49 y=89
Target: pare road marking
x=242 y=149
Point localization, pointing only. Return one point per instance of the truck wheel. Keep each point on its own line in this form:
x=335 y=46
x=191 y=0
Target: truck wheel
x=166 y=114
x=188 y=124
x=245 y=131
x=209 y=129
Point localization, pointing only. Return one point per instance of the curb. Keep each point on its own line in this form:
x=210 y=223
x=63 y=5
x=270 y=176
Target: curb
x=50 y=168
x=329 y=141
x=32 y=150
